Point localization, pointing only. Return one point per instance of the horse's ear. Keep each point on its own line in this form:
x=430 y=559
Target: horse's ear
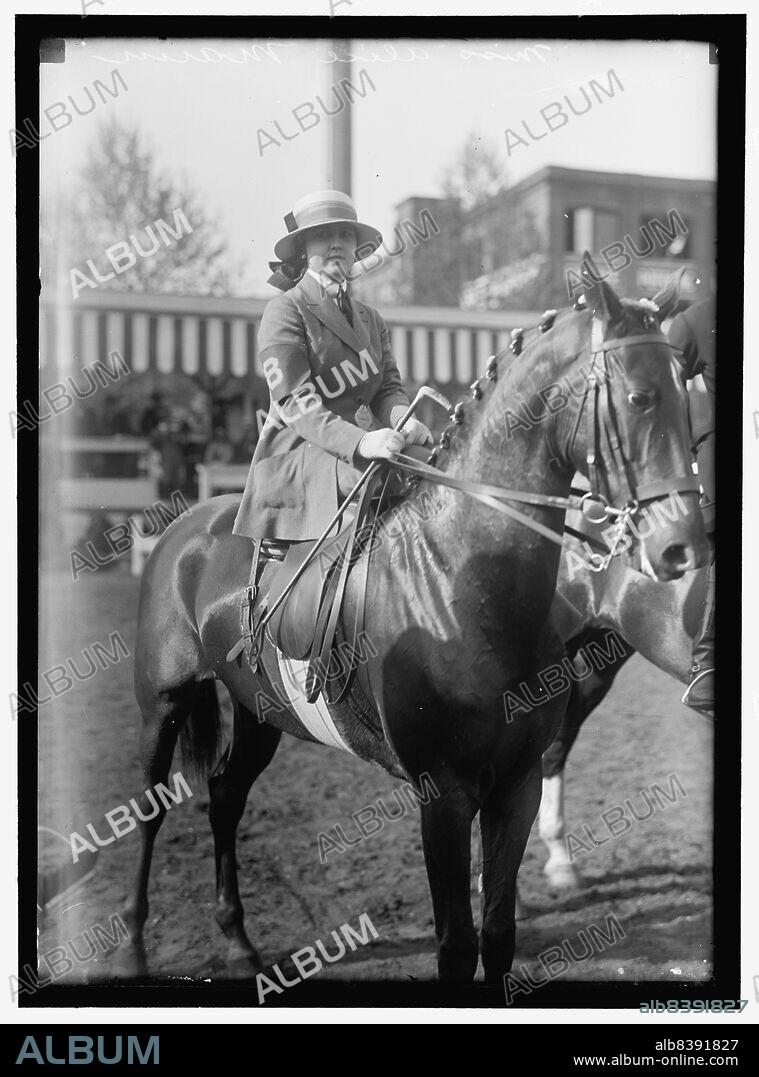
x=667 y=299
x=600 y=296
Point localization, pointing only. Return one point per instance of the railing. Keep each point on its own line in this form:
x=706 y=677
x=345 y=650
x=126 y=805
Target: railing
x=208 y=337
x=83 y=485
x=213 y=479
x=220 y=479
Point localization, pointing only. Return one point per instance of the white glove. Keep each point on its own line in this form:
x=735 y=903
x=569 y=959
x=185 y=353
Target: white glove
x=415 y=433
x=381 y=444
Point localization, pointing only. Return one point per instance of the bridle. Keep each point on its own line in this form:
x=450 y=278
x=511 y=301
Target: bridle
x=496 y=497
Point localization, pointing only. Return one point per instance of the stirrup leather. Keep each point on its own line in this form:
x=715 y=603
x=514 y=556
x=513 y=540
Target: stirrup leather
x=263 y=550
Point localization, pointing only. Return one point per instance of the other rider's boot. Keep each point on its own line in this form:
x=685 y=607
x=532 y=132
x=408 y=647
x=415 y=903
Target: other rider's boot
x=699 y=695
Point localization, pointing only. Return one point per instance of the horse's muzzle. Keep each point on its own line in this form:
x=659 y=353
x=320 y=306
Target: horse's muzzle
x=677 y=559
x=674 y=546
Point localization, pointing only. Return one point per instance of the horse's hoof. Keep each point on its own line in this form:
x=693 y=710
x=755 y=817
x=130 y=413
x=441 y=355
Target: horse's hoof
x=129 y=965
x=243 y=967
x=563 y=877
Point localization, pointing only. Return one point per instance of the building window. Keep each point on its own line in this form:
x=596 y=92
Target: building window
x=590 y=229
x=605 y=230
x=579 y=233
x=669 y=231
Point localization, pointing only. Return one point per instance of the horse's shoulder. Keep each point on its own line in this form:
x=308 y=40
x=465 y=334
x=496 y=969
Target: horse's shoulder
x=217 y=514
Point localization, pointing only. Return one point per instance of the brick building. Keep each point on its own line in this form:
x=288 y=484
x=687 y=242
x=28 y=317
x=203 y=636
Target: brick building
x=521 y=248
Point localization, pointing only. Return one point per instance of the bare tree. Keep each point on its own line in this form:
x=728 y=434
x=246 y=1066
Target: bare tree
x=477 y=173
x=502 y=253
x=121 y=191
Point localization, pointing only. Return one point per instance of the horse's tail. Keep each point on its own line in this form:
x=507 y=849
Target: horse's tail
x=200 y=735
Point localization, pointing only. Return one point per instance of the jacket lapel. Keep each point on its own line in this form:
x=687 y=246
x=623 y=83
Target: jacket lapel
x=329 y=314
x=361 y=320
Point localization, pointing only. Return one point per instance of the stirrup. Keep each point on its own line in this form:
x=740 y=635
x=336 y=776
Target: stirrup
x=702 y=708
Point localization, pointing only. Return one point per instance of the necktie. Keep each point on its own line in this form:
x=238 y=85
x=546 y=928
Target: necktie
x=344 y=303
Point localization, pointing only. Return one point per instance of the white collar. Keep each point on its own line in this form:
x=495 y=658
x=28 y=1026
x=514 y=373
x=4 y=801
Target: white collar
x=327 y=284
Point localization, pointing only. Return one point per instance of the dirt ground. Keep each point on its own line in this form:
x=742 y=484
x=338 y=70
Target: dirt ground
x=655 y=878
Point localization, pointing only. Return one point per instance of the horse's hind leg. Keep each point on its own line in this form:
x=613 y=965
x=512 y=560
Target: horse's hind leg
x=447 y=837
x=163 y=715
x=252 y=749
x=505 y=821
x=559 y=869
x=585 y=696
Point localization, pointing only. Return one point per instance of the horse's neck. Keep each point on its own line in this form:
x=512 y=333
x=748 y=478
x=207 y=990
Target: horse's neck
x=492 y=453
x=458 y=537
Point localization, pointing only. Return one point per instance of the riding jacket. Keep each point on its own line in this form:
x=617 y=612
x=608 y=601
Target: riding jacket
x=328 y=384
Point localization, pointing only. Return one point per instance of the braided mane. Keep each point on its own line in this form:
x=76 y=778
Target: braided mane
x=491 y=375
x=636 y=309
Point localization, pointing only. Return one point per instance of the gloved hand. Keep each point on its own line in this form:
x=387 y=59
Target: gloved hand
x=381 y=444
x=416 y=433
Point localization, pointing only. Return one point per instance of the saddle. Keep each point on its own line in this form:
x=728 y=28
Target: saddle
x=293 y=626
x=304 y=626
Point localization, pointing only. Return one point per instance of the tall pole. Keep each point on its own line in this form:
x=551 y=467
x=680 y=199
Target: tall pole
x=339 y=152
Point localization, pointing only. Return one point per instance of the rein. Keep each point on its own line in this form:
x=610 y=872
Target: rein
x=496 y=496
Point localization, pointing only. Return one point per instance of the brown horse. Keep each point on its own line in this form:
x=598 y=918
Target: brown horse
x=457 y=613
x=660 y=622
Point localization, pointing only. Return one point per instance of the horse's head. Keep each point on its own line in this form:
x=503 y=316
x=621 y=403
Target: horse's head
x=628 y=433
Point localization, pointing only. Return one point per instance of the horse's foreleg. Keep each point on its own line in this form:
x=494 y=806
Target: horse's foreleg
x=505 y=821
x=252 y=749
x=446 y=837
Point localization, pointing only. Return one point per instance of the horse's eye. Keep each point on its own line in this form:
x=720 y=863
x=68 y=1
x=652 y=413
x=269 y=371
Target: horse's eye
x=640 y=399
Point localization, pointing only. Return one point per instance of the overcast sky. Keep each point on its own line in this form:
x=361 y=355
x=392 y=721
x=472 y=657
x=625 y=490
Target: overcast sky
x=202 y=113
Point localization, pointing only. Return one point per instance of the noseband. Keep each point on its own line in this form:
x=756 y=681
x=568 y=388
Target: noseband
x=495 y=496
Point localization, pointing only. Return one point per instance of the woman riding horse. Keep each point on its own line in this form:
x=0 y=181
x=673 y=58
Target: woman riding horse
x=328 y=416
x=457 y=607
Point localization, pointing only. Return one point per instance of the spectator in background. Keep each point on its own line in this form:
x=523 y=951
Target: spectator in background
x=245 y=446
x=154 y=414
x=219 y=450
x=112 y=420
x=88 y=422
x=173 y=469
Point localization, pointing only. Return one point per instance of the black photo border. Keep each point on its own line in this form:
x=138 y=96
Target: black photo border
x=728 y=34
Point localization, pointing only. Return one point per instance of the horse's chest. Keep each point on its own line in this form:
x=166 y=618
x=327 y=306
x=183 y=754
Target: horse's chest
x=433 y=644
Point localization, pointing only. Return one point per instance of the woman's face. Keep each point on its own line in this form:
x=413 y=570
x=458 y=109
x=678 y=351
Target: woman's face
x=331 y=248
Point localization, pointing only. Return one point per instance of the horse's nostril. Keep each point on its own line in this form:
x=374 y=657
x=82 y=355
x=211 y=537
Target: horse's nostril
x=676 y=557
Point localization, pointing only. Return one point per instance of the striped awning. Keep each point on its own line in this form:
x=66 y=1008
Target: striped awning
x=428 y=354
x=167 y=343
x=207 y=337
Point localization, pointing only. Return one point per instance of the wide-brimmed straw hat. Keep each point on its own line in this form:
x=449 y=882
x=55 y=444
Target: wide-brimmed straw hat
x=320 y=208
